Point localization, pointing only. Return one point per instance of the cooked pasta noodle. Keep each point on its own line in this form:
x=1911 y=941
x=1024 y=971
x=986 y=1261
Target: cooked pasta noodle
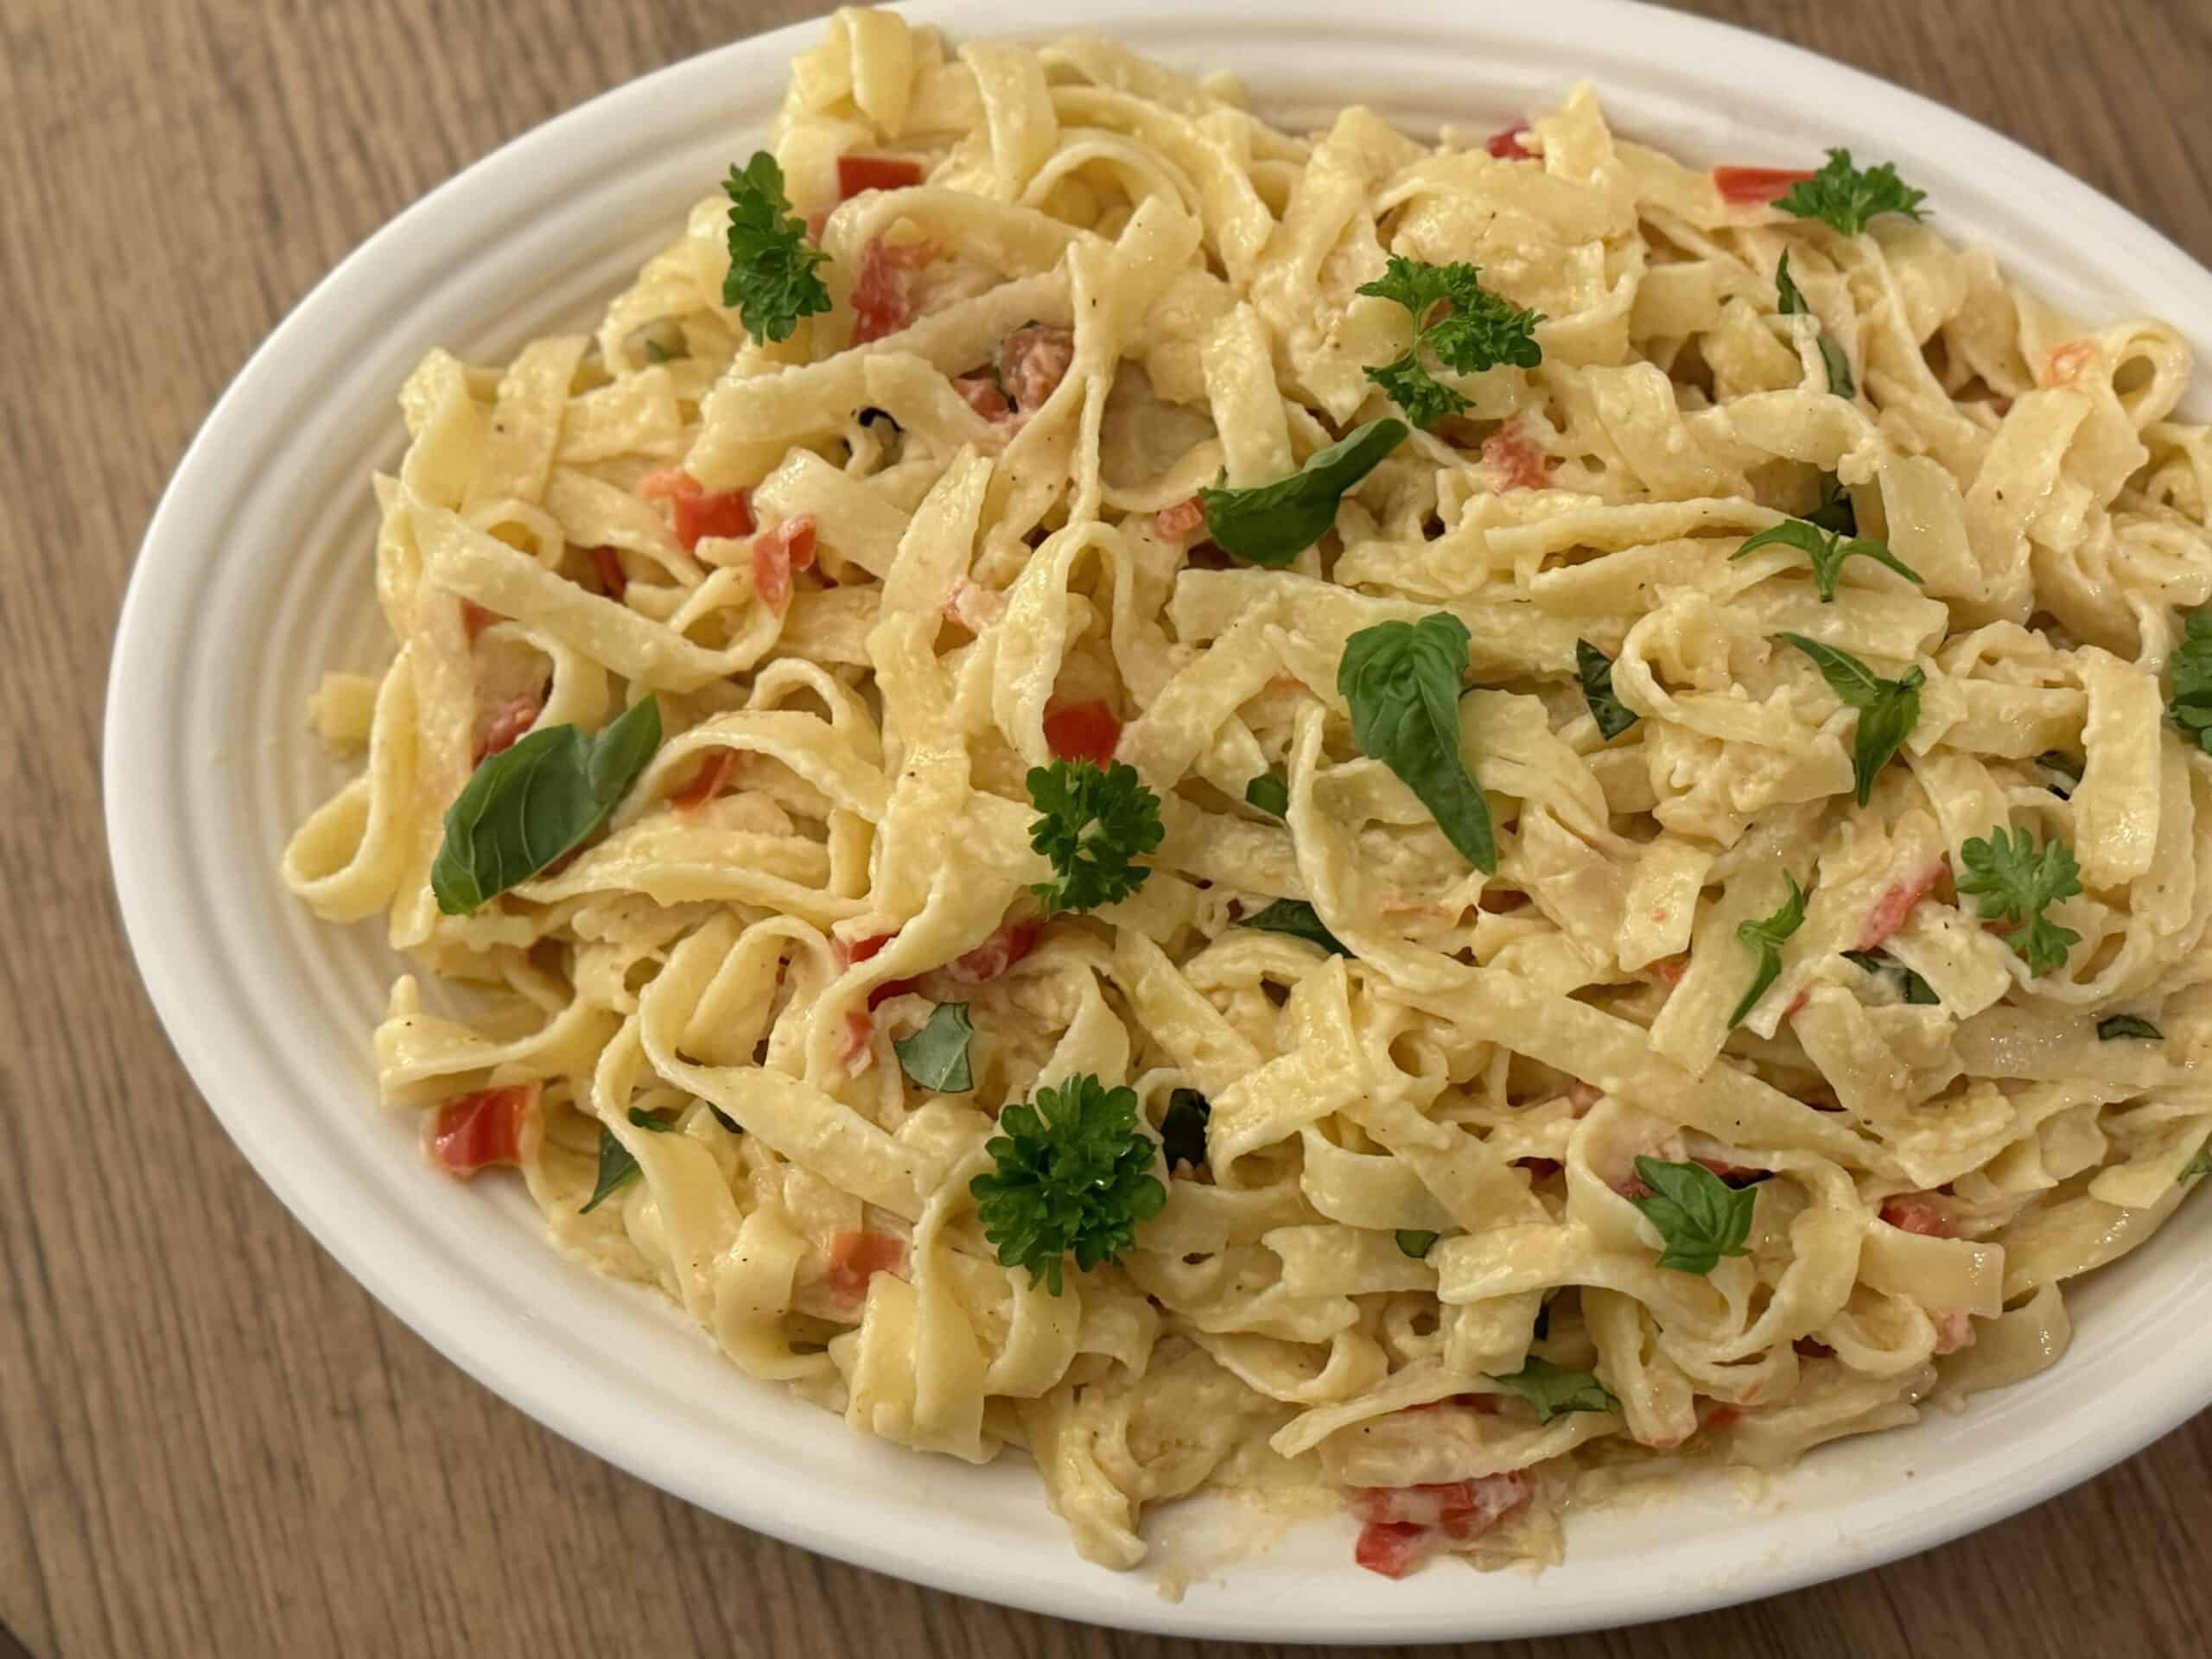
x=1420 y=1172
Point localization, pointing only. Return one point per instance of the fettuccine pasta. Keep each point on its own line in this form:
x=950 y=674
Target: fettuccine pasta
x=1483 y=1178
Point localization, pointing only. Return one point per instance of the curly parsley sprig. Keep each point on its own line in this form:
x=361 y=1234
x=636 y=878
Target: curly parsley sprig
x=2016 y=882
x=772 y=281
x=2190 y=705
x=1846 y=197
x=1074 y=1173
x=1093 y=825
x=1475 y=330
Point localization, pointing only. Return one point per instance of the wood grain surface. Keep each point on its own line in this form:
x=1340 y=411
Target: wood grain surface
x=213 y=1443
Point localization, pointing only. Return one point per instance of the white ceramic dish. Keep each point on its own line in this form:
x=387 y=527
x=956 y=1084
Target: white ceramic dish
x=255 y=576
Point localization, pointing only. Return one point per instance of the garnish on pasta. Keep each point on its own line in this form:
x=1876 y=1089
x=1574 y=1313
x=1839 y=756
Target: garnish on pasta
x=2016 y=882
x=1403 y=681
x=1845 y=197
x=1701 y=1218
x=1766 y=937
x=1833 y=357
x=1459 y=321
x=1416 y=1242
x=935 y=1056
x=1073 y=1176
x=1555 y=1390
x=1269 y=793
x=2115 y=1026
x=1827 y=550
x=618 y=1167
x=2191 y=704
x=1273 y=523
x=535 y=801
x=773 y=280
x=1298 y=920
x=1595 y=670
x=1888 y=709
x=1093 y=825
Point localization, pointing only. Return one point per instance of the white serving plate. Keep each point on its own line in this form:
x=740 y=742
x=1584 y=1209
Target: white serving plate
x=255 y=576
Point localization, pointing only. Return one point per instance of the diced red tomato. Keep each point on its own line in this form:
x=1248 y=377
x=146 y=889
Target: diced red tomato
x=2001 y=406
x=1918 y=1212
x=482 y=1130
x=1032 y=361
x=1756 y=187
x=855 y=1257
x=511 y=719
x=882 y=304
x=699 y=513
x=861 y=951
x=611 y=576
x=996 y=954
x=859 y=172
x=1897 y=901
x=1798 y=1004
x=474 y=618
x=858 y=1052
x=1669 y=970
x=1954 y=1329
x=777 y=553
x=984 y=396
x=1405 y=1525
x=1734 y=1174
x=1723 y=1417
x=1511 y=145
x=1516 y=457
x=1184 y=518
x=712 y=777
x=1083 y=731
x=1634 y=1188
x=2067 y=362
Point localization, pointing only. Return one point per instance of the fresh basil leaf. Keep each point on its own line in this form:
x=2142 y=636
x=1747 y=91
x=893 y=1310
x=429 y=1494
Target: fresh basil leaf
x=1183 y=1129
x=2190 y=665
x=1699 y=1217
x=617 y=1169
x=1888 y=709
x=1402 y=680
x=1831 y=355
x=1766 y=937
x=1916 y=991
x=527 y=806
x=1273 y=523
x=654 y=1122
x=1613 y=716
x=2065 y=769
x=1298 y=920
x=1555 y=1390
x=657 y=352
x=935 y=1056
x=1269 y=793
x=2114 y=1027
x=1416 y=1243
x=1827 y=550
x=1836 y=511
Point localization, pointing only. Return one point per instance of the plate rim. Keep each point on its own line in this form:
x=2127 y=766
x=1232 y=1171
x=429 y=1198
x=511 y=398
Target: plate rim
x=488 y=1350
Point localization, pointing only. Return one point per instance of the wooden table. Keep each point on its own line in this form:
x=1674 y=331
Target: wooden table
x=214 y=1442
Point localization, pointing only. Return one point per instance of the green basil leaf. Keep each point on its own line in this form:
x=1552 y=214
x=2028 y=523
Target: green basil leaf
x=1555 y=1390
x=2114 y=1027
x=935 y=1056
x=1766 y=937
x=1298 y=920
x=1402 y=680
x=1183 y=1129
x=1917 y=990
x=617 y=1169
x=527 y=806
x=1699 y=1217
x=1827 y=550
x=653 y=1123
x=1918 y=993
x=1888 y=709
x=1836 y=511
x=1831 y=355
x=1269 y=793
x=1416 y=1243
x=1595 y=669
x=1273 y=523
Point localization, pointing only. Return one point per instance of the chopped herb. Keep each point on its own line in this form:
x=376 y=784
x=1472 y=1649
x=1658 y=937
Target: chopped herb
x=1888 y=709
x=2200 y=1165
x=1073 y=1173
x=1793 y=305
x=1298 y=920
x=2114 y=1027
x=935 y=1056
x=1416 y=1242
x=527 y=806
x=655 y=1122
x=1846 y=197
x=1699 y=1217
x=1555 y=1390
x=1269 y=793
x=1272 y=524
x=2016 y=883
x=2065 y=768
x=772 y=281
x=1827 y=550
x=1093 y=825
x=1475 y=329
x=617 y=1169
x=1183 y=1128
x=1836 y=512
x=1613 y=716
x=657 y=352
x=1917 y=990
x=2191 y=703
x=725 y=1118
x=1402 y=680
x=1765 y=938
